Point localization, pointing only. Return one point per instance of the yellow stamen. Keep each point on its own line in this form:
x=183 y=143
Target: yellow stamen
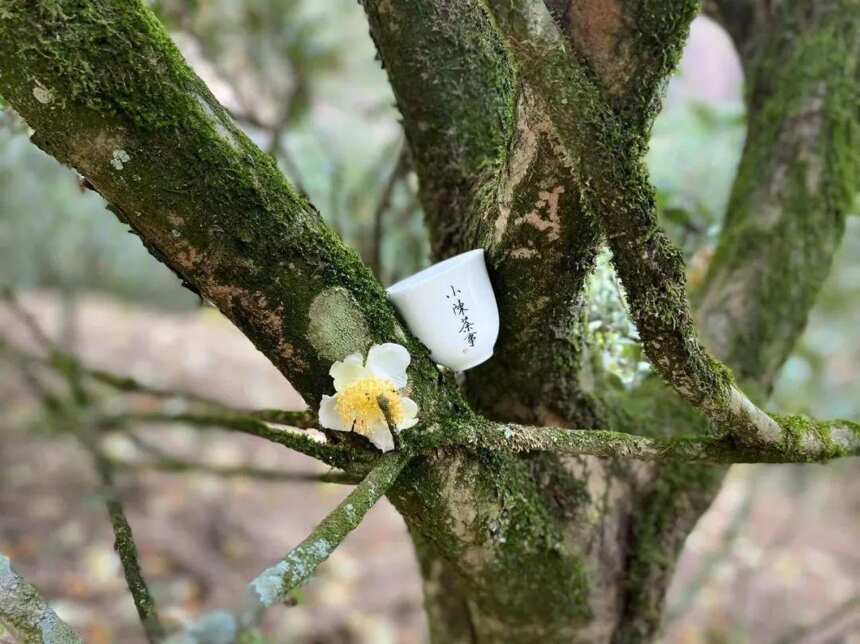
x=360 y=403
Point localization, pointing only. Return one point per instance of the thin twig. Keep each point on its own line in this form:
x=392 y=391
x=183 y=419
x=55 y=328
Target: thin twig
x=401 y=166
x=68 y=414
x=180 y=466
x=63 y=362
x=332 y=454
x=126 y=549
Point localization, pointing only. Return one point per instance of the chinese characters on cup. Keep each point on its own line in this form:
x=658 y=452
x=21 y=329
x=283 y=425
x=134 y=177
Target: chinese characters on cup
x=451 y=308
x=467 y=327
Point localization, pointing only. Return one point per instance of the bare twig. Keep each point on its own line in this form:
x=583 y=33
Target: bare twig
x=63 y=362
x=401 y=166
x=332 y=454
x=179 y=466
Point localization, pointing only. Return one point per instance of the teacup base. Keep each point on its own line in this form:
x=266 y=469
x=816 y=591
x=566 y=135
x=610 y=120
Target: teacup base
x=475 y=362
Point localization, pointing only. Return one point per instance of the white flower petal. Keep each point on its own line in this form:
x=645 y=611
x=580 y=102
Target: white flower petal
x=347 y=371
x=389 y=361
x=354 y=358
x=410 y=413
x=328 y=416
x=406 y=424
x=379 y=435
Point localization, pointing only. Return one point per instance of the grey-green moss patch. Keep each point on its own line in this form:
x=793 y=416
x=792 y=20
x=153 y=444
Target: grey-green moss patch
x=336 y=324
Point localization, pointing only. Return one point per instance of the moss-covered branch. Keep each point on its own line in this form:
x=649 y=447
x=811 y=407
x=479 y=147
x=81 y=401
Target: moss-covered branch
x=607 y=153
x=454 y=88
x=629 y=47
x=808 y=441
x=492 y=175
x=106 y=92
x=275 y=585
x=797 y=180
x=26 y=615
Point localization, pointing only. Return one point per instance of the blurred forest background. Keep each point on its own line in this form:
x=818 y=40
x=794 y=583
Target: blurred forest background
x=774 y=560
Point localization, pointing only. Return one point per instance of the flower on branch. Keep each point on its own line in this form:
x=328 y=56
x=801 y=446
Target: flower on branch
x=368 y=398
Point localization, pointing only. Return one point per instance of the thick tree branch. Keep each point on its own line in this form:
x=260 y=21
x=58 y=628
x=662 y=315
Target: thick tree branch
x=797 y=180
x=630 y=47
x=106 y=92
x=607 y=154
x=679 y=492
x=778 y=239
x=492 y=175
x=26 y=615
x=454 y=89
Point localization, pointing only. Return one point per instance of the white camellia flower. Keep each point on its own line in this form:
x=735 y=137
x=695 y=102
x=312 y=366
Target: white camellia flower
x=359 y=386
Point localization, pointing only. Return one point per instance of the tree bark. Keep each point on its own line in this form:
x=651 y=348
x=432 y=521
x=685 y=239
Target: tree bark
x=514 y=547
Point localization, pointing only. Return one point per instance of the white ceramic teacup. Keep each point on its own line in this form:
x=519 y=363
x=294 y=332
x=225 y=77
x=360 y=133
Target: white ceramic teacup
x=451 y=308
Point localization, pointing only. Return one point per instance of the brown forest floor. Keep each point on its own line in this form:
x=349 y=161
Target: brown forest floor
x=779 y=548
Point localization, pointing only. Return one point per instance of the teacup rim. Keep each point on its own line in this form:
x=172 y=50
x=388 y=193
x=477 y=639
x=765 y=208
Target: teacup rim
x=432 y=272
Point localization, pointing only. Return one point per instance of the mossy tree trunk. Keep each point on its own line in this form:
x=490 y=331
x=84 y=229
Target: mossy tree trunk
x=514 y=547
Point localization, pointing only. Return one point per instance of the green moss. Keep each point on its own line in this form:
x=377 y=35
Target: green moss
x=787 y=211
x=203 y=198
x=490 y=518
x=659 y=36
x=456 y=125
x=666 y=513
x=807 y=439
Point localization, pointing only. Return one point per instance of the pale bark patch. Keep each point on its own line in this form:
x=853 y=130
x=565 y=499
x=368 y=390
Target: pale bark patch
x=532 y=124
x=336 y=325
x=523 y=253
x=547 y=203
x=42 y=94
